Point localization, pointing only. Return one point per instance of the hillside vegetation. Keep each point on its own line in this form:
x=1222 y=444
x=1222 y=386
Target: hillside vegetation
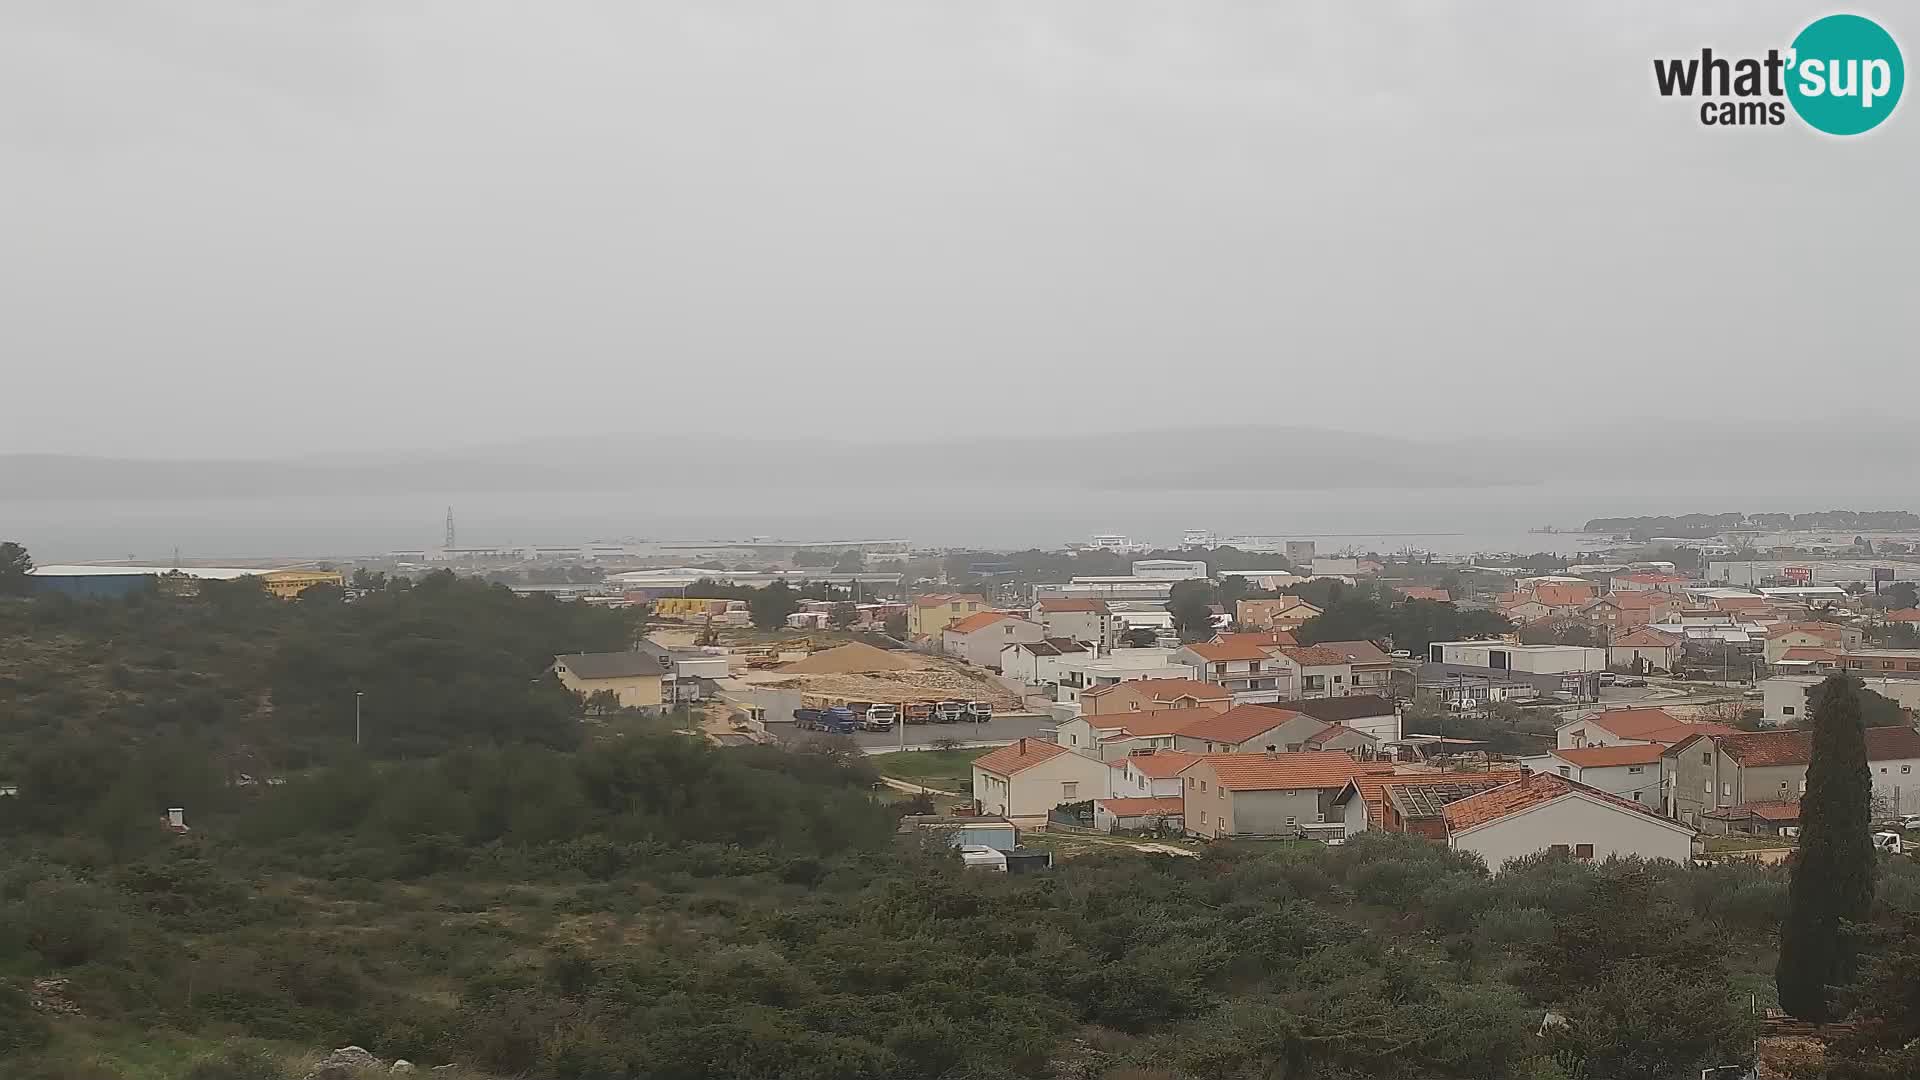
x=483 y=887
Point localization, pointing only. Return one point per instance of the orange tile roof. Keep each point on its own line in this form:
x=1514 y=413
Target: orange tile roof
x=1264 y=638
x=1059 y=605
x=1600 y=757
x=1762 y=748
x=1237 y=724
x=1808 y=652
x=1281 y=772
x=1769 y=809
x=1151 y=722
x=1905 y=614
x=1313 y=655
x=1563 y=595
x=1334 y=731
x=1652 y=578
x=1651 y=725
x=1529 y=791
x=1161 y=764
x=1372 y=786
x=977 y=621
x=1641 y=598
x=1165 y=689
x=943 y=599
x=1357 y=652
x=1172 y=805
x=1422 y=592
x=1018 y=756
x=1830 y=631
x=1220 y=652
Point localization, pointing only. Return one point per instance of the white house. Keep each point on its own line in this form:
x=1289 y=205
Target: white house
x=1317 y=671
x=1037 y=663
x=1090 y=671
x=1631 y=727
x=1077 y=619
x=1643 y=649
x=1027 y=778
x=1242 y=668
x=1112 y=736
x=1146 y=773
x=979 y=637
x=1631 y=771
x=1549 y=812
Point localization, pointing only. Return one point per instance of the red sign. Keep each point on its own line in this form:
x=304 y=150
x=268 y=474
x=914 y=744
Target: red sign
x=1801 y=574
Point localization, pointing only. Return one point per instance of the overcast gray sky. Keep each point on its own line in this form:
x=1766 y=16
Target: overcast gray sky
x=246 y=228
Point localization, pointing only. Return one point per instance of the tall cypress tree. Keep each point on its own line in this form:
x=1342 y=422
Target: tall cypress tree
x=1833 y=873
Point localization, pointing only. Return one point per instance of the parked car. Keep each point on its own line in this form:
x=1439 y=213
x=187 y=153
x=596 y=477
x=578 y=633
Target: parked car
x=1911 y=822
x=1631 y=682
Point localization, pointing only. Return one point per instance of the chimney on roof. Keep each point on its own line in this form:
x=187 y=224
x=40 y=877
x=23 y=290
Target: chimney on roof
x=1023 y=747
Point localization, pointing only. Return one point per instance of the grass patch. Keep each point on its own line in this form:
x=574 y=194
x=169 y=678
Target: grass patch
x=951 y=770
x=1732 y=842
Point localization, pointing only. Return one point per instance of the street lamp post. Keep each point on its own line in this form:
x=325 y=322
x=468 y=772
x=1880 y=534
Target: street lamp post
x=357 y=695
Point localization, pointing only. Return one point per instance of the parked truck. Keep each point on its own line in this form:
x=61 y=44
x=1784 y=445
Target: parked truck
x=880 y=717
x=837 y=720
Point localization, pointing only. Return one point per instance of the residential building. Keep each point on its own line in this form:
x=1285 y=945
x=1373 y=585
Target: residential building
x=1112 y=736
x=1371 y=714
x=1037 y=663
x=978 y=638
x=1265 y=639
x=288 y=584
x=634 y=678
x=1078 y=618
x=1248 y=729
x=1084 y=672
x=1331 y=566
x=1422 y=592
x=1624 y=610
x=690 y=673
x=1028 y=777
x=1630 y=770
x=1317 y=671
x=1783 y=698
x=1146 y=695
x=1279 y=613
x=1410 y=802
x=1909 y=616
x=1468 y=688
x=1817 y=635
x=1245 y=670
x=1145 y=773
x=1880 y=661
x=932 y=613
x=1717 y=771
x=1370 y=671
x=1644 y=650
x=1263 y=794
x=1549 y=812
x=1563 y=599
x=1631 y=727
x=1801 y=660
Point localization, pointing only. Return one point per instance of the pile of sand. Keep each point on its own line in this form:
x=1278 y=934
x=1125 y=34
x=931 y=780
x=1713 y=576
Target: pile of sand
x=851 y=659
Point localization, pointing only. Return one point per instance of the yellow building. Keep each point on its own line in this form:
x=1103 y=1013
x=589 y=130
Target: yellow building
x=633 y=677
x=934 y=612
x=287 y=584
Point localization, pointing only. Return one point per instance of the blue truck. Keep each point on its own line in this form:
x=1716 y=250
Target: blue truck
x=838 y=720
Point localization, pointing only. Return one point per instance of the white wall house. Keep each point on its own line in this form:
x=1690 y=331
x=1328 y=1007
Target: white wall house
x=1027 y=778
x=1632 y=772
x=1547 y=812
x=978 y=638
x=1507 y=656
x=1037 y=663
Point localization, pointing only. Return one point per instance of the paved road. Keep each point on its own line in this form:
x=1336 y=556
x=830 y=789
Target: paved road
x=1000 y=730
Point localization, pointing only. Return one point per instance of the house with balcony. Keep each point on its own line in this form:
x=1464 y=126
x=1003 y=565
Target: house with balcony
x=1316 y=671
x=1245 y=670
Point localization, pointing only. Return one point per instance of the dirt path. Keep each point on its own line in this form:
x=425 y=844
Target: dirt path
x=912 y=788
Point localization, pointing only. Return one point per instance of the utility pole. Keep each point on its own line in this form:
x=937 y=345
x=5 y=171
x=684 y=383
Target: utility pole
x=357 y=695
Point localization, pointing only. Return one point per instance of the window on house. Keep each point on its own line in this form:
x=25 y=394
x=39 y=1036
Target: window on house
x=1559 y=849
x=1564 y=771
x=1905 y=769
x=1222 y=792
x=1069 y=791
x=1289 y=823
x=1706 y=758
x=1786 y=710
x=1636 y=768
x=1583 y=851
x=1726 y=790
x=1339 y=678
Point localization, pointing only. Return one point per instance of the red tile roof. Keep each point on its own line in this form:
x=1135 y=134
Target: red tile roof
x=1905 y=614
x=1237 y=724
x=1829 y=631
x=1170 y=805
x=1331 y=732
x=1372 y=786
x=1060 y=605
x=1165 y=689
x=1652 y=725
x=1160 y=764
x=1422 y=592
x=1563 y=595
x=1280 y=772
x=1762 y=748
x=1220 y=652
x=1600 y=757
x=1357 y=652
x=1018 y=756
x=1151 y=722
x=1313 y=655
x=979 y=620
x=1654 y=579
x=1526 y=793
x=1639 y=598
x=1264 y=638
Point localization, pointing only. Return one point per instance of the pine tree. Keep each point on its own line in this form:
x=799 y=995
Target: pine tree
x=1833 y=874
